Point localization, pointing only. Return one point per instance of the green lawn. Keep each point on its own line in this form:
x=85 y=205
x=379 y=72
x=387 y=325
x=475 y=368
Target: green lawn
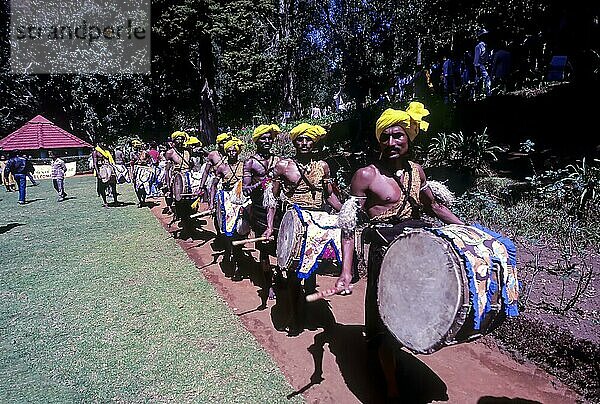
x=101 y=305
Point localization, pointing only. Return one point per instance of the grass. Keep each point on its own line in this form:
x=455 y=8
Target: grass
x=102 y=305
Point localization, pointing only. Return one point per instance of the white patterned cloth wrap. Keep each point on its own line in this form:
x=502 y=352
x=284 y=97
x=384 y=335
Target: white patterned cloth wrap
x=232 y=205
x=322 y=240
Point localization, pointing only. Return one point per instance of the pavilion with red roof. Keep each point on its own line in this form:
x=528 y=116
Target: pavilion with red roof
x=39 y=135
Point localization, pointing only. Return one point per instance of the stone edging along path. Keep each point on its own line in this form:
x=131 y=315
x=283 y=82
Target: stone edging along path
x=328 y=361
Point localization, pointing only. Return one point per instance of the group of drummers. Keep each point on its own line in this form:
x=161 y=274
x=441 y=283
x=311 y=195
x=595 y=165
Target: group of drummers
x=427 y=286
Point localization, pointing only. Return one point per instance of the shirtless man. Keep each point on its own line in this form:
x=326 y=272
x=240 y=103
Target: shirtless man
x=230 y=173
x=306 y=182
x=392 y=192
x=258 y=172
x=178 y=159
x=101 y=156
x=214 y=158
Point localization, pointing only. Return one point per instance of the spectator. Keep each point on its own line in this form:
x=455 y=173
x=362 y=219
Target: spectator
x=501 y=67
x=17 y=166
x=59 y=169
x=448 y=80
x=30 y=169
x=7 y=180
x=481 y=59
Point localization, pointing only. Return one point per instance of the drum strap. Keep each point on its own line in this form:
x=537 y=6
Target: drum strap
x=183 y=160
x=408 y=198
x=311 y=186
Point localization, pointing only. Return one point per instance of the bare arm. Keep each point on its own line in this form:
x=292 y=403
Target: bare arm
x=207 y=168
x=213 y=188
x=278 y=172
x=358 y=188
x=332 y=198
x=431 y=205
x=95 y=161
x=247 y=186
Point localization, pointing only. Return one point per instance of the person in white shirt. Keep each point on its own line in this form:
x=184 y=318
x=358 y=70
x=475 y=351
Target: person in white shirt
x=59 y=169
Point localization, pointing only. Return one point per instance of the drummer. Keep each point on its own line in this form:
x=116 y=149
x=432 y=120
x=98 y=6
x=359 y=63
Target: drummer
x=101 y=156
x=214 y=158
x=304 y=181
x=258 y=173
x=229 y=175
x=178 y=159
x=393 y=192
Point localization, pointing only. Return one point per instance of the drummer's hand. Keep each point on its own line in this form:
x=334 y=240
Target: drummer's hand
x=344 y=282
x=268 y=234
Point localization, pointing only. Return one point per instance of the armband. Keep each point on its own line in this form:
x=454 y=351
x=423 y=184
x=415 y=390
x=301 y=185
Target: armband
x=269 y=199
x=348 y=216
x=441 y=193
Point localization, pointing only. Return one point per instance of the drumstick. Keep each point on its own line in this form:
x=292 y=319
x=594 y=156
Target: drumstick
x=202 y=214
x=249 y=240
x=326 y=293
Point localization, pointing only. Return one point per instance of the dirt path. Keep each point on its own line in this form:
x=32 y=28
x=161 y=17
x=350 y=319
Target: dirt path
x=328 y=361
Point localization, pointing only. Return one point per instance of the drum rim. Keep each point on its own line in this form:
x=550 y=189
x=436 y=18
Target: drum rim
x=297 y=236
x=463 y=293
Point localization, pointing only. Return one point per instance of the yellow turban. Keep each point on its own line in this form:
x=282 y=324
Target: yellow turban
x=224 y=136
x=262 y=129
x=177 y=134
x=410 y=120
x=315 y=132
x=136 y=142
x=193 y=140
x=233 y=142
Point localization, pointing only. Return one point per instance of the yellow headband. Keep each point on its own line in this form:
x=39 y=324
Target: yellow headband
x=193 y=140
x=410 y=120
x=315 y=132
x=177 y=134
x=233 y=142
x=224 y=136
x=262 y=129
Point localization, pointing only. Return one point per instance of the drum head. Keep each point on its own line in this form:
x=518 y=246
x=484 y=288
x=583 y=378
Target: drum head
x=177 y=186
x=106 y=172
x=287 y=238
x=420 y=290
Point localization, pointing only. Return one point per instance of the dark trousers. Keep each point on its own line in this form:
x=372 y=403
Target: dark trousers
x=21 y=180
x=59 y=186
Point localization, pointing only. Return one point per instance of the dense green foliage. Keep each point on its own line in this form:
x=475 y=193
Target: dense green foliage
x=218 y=63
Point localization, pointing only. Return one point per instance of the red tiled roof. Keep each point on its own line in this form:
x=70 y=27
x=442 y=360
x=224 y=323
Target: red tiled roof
x=40 y=133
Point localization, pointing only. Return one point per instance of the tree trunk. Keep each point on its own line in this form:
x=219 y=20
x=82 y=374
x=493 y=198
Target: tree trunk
x=208 y=104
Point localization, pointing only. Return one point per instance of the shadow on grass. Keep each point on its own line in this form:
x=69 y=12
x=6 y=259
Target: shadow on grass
x=120 y=204
x=8 y=227
x=34 y=200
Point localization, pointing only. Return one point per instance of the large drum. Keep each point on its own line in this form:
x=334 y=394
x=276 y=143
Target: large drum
x=182 y=185
x=439 y=287
x=305 y=238
x=106 y=173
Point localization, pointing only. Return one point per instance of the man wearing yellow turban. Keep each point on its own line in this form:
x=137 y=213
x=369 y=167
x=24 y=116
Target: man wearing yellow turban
x=392 y=192
x=260 y=130
x=305 y=183
x=213 y=160
x=230 y=203
x=258 y=174
x=178 y=163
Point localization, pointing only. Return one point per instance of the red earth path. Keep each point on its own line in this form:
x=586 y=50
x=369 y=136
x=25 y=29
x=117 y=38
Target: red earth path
x=328 y=362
